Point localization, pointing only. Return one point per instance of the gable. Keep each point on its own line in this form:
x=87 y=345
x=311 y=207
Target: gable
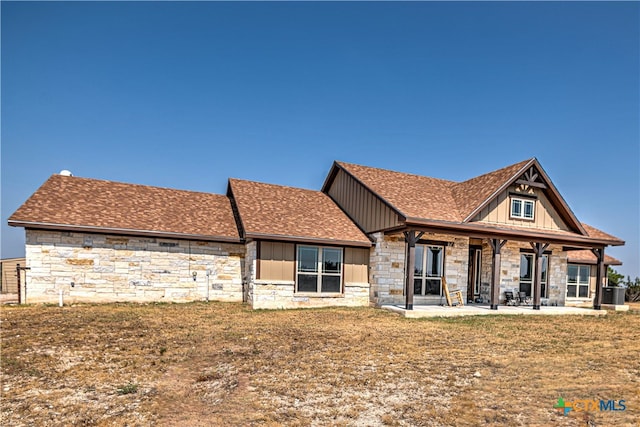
x=410 y=196
x=531 y=179
x=365 y=209
x=545 y=216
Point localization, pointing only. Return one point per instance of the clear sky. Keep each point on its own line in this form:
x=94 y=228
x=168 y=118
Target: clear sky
x=185 y=95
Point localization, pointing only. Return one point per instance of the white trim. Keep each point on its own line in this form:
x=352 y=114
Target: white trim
x=523 y=203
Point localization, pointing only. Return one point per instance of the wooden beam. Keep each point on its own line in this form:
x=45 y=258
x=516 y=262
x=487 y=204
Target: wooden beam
x=600 y=274
x=531 y=183
x=411 y=238
x=496 y=246
x=538 y=249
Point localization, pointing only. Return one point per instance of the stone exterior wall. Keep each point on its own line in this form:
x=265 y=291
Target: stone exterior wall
x=278 y=294
x=388 y=260
x=91 y=267
x=510 y=270
x=387 y=269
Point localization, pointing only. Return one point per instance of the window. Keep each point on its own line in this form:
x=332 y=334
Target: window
x=521 y=208
x=319 y=269
x=527 y=273
x=427 y=275
x=578 y=281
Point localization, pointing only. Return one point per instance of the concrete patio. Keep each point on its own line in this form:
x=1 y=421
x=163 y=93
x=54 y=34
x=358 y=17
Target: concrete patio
x=484 y=310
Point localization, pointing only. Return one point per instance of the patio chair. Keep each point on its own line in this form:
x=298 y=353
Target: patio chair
x=456 y=293
x=509 y=299
x=523 y=299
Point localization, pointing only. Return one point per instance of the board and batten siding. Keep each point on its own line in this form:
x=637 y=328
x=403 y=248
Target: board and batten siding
x=356 y=265
x=364 y=208
x=277 y=262
x=499 y=211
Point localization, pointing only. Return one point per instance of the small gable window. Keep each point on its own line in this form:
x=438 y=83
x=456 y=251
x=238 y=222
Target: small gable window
x=319 y=269
x=522 y=208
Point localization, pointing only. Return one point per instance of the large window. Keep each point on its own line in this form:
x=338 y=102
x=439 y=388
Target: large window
x=578 y=281
x=527 y=274
x=427 y=279
x=319 y=269
x=522 y=208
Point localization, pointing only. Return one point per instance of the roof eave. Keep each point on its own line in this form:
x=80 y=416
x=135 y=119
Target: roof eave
x=330 y=177
x=308 y=239
x=121 y=231
x=593 y=262
x=584 y=241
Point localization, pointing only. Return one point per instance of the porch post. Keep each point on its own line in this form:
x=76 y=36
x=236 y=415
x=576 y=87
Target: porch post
x=411 y=238
x=496 y=245
x=600 y=272
x=538 y=249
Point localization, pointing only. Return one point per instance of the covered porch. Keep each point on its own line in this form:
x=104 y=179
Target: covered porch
x=498 y=277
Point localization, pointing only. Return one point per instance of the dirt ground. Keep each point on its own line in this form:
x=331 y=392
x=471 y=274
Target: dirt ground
x=205 y=364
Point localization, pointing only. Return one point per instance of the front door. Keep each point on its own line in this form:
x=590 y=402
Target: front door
x=475 y=267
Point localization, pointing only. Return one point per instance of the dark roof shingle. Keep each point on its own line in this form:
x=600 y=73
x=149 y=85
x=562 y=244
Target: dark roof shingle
x=276 y=211
x=420 y=198
x=472 y=193
x=407 y=192
x=416 y=196
x=587 y=257
x=107 y=206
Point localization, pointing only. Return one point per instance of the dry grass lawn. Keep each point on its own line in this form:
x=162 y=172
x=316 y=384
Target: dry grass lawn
x=224 y=364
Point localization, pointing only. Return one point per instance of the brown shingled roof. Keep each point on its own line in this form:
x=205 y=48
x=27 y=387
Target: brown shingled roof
x=65 y=202
x=287 y=213
x=447 y=200
x=474 y=192
x=407 y=192
x=587 y=257
x=425 y=201
x=598 y=234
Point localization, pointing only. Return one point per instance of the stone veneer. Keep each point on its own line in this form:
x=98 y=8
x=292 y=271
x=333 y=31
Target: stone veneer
x=280 y=294
x=510 y=271
x=388 y=267
x=91 y=267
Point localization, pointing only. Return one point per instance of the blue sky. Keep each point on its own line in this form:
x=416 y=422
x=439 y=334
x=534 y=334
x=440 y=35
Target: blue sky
x=185 y=95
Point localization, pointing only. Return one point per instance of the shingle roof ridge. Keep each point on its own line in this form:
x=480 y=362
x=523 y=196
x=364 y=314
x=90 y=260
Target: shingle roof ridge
x=274 y=185
x=448 y=181
x=112 y=205
x=493 y=172
x=129 y=184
